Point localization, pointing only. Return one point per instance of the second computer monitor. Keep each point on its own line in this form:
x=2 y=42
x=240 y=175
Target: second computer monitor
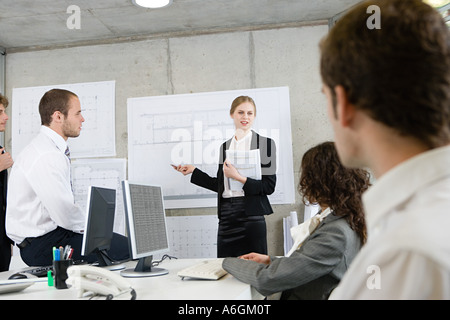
x=98 y=233
x=146 y=223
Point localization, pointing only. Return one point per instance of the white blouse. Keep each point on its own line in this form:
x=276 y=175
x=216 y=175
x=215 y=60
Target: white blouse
x=242 y=144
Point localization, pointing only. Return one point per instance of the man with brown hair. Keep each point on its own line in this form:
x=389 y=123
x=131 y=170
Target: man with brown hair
x=41 y=211
x=388 y=93
x=5 y=163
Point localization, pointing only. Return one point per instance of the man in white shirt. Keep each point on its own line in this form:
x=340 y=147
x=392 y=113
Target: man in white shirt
x=41 y=212
x=386 y=73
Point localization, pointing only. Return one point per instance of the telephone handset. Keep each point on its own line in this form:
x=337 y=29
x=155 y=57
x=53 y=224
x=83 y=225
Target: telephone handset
x=98 y=281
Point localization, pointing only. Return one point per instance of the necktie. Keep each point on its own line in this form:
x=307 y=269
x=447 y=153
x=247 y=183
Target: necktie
x=67 y=153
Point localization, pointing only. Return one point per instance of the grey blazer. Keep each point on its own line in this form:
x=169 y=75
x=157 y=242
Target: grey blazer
x=311 y=272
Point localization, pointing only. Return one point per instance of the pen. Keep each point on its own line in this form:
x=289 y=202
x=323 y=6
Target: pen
x=66 y=252
x=54 y=252
x=70 y=253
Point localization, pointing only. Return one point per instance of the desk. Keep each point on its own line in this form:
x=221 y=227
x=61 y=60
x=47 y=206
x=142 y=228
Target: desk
x=166 y=287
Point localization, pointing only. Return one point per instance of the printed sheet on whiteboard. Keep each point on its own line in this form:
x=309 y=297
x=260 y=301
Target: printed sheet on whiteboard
x=97 y=99
x=106 y=173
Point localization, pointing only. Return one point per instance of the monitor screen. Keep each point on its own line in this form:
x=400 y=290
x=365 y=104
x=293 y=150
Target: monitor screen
x=98 y=232
x=146 y=223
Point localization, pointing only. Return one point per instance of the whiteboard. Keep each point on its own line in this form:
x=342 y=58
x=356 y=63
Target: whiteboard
x=189 y=129
x=97 y=138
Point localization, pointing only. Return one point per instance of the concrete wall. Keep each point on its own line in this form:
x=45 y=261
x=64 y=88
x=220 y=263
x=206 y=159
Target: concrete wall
x=191 y=64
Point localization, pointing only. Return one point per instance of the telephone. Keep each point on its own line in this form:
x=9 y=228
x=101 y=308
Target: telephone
x=98 y=281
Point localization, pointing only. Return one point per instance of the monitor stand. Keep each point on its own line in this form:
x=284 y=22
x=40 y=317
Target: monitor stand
x=105 y=262
x=144 y=269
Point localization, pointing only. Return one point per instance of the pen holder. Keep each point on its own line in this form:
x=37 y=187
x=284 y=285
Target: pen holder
x=60 y=273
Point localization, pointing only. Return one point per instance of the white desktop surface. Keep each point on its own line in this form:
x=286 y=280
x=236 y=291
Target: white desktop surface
x=166 y=287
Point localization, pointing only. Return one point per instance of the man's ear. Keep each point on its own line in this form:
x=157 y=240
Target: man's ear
x=57 y=117
x=345 y=110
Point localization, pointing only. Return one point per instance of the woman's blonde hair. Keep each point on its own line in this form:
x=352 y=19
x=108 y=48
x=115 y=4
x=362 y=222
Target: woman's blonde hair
x=240 y=100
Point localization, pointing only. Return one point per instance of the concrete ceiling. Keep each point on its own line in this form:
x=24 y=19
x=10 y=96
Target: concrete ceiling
x=28 y=24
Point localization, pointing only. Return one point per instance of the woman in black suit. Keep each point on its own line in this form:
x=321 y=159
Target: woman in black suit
x=242 y=226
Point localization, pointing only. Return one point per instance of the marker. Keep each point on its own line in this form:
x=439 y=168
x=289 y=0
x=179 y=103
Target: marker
x=49 y=278
x=57 y=255
x=54 y=253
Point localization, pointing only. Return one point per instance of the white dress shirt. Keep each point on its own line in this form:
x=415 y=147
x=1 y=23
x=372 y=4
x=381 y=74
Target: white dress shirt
x=407 y=255
x=242 y=144
x=40 y=196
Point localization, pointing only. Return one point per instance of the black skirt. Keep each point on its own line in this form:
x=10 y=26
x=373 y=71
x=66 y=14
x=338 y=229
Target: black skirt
x=238 y=233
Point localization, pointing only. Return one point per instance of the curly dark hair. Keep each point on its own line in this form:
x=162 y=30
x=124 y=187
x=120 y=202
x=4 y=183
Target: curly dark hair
x=326 y=181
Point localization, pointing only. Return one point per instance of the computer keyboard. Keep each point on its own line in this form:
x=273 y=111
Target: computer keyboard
x=39 y=271
x=208 y=269
x=42 y=271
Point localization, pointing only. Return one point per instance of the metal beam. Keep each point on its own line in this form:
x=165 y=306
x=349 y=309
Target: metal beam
x=2 y=69
x=2 y=84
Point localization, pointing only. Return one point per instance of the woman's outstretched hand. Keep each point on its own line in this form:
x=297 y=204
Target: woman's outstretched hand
x=184 y=169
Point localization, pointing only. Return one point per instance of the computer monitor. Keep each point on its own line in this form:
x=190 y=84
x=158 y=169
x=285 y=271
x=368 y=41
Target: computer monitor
x=98 y=232
x=146 y=223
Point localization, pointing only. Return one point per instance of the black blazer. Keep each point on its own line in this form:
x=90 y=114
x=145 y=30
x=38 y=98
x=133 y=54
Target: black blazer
x=256 y=191
x=5 y=242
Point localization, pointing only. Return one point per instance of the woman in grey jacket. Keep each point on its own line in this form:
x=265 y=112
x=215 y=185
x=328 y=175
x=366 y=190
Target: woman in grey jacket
x=318 y=263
